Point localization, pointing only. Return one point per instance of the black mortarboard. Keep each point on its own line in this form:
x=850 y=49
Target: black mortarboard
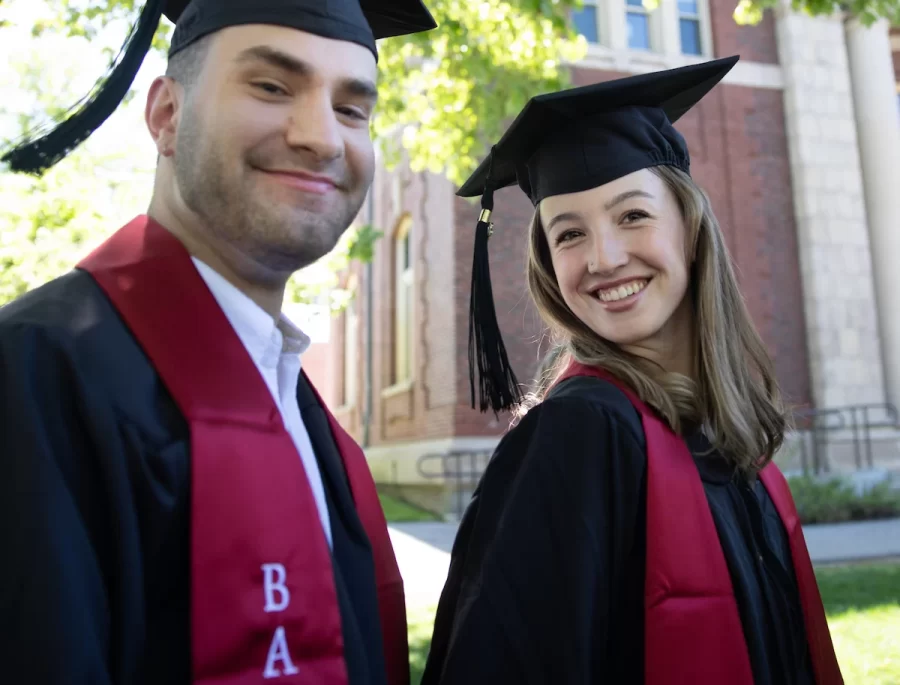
x=567 y=142
x=357 y=21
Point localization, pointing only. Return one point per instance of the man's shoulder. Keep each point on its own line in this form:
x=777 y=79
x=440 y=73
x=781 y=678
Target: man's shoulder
x=57 y=307
x=67 y=333
x=69 y=317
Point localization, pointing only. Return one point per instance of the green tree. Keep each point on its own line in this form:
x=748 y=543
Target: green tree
x=867 y=11
x=48 y=223
x=444 y=94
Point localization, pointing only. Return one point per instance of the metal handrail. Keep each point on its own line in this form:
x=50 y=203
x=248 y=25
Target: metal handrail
x=470 y=465
x=465 y=467
x=859 y=419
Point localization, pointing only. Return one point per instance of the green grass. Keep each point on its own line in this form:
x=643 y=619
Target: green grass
x=862 y=603
x=397 y=511
x=421 y=621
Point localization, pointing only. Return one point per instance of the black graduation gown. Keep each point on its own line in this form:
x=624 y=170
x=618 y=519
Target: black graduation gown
x=546 y=582
x=94 y=505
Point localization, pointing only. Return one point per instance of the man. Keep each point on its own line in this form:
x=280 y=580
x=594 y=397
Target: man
x=177 y=504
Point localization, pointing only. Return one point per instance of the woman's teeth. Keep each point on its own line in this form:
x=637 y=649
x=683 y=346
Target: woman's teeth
x=622 y=291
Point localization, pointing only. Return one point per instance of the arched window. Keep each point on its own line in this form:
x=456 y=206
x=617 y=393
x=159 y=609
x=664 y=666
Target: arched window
x=403 y=302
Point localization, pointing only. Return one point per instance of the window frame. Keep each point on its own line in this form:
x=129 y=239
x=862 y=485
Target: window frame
x=350 y=362
x=402 y=285
x=612 y=50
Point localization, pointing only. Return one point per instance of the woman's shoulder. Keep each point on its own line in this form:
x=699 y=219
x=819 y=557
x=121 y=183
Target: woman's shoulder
x=589 y=412
x=584 y=442
x=596 y=398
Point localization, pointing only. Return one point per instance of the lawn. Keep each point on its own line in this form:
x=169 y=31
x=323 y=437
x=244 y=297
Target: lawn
x=863 y=607
x=398 y=511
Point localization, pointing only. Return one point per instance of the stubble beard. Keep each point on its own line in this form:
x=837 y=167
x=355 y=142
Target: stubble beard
x=279 y=238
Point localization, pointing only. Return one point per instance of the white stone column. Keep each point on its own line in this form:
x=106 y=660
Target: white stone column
x=878 y=133
x=829 y=212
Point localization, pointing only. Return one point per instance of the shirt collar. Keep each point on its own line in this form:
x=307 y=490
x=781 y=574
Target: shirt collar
x=264 y=338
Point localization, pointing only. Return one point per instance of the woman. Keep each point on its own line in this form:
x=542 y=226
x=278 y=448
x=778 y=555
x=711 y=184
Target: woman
x=631 y=527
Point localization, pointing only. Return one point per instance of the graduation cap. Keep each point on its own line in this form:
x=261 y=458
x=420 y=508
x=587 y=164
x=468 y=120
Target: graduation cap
x=358 y=21
x=568 y=142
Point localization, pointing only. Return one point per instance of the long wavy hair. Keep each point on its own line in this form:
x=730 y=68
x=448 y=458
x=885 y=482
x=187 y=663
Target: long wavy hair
x=734 y=398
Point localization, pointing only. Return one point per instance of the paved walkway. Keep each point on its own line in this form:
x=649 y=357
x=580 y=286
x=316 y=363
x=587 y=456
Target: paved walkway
x=856 y=541
x=423 y=554
x=423 y=550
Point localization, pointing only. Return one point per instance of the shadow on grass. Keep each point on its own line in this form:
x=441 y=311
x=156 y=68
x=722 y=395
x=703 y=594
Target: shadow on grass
x=398 y=511
x=858 y=586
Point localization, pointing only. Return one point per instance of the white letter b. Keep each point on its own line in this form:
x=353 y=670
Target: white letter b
x=277 y=595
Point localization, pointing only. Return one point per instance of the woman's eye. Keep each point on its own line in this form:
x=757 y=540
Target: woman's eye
x=634 y=216
x=566 y=236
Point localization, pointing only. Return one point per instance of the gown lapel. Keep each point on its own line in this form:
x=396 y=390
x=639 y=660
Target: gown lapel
x=354 y=566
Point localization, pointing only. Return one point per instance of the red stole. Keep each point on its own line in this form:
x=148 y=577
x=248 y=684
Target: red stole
x=263 y=597
x=693 y=631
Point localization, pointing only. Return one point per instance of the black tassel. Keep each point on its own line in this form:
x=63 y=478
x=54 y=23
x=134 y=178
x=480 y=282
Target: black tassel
x=497 y=383
x=35 y=156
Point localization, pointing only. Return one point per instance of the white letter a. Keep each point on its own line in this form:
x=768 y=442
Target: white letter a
x=278 y=651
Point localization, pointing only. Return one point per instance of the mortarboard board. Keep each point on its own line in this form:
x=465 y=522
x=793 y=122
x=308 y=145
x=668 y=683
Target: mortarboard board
x=358 y=21
x=567 y=142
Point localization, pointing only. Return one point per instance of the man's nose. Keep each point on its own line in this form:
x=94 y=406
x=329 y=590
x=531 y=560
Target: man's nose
x=314 y=126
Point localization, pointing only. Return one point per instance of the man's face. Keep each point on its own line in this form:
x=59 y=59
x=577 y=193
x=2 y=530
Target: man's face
x=273 y=150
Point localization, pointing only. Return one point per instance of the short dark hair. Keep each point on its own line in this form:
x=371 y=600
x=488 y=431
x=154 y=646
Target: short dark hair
x=184 y=67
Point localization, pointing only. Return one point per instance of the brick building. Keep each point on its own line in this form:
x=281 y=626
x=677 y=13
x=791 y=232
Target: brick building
x=786 y=150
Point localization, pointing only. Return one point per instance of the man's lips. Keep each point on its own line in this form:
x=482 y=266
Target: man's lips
x=300 y=180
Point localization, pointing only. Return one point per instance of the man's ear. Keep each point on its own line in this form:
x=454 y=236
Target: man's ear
x=162 y=113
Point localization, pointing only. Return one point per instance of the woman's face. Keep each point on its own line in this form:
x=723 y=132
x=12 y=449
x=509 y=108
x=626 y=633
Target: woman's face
x=619 y=256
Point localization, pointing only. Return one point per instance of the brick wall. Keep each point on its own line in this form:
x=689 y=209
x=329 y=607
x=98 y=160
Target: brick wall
x=425 y=407
x=320 y=367
x=739 y=155
x=752 y=43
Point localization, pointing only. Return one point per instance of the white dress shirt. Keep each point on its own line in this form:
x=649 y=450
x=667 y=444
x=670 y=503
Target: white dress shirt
x=275 y=349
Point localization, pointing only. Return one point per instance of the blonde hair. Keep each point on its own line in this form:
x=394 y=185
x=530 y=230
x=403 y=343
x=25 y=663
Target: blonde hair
x=735 y=398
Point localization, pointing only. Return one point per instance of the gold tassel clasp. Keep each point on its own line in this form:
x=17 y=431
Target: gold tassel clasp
x=485 y=217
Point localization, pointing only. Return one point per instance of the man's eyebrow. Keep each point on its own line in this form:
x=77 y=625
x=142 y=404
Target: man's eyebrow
x=277 y=58
x=361 y=88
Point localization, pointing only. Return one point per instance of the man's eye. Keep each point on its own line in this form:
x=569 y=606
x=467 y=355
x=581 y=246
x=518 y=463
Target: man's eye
x=270 y=88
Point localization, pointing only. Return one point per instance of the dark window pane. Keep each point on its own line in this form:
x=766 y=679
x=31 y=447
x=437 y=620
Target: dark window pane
x=687 y=7
x=690 y=37
x=585 y=22
x=636 y=3
x=638 y=31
